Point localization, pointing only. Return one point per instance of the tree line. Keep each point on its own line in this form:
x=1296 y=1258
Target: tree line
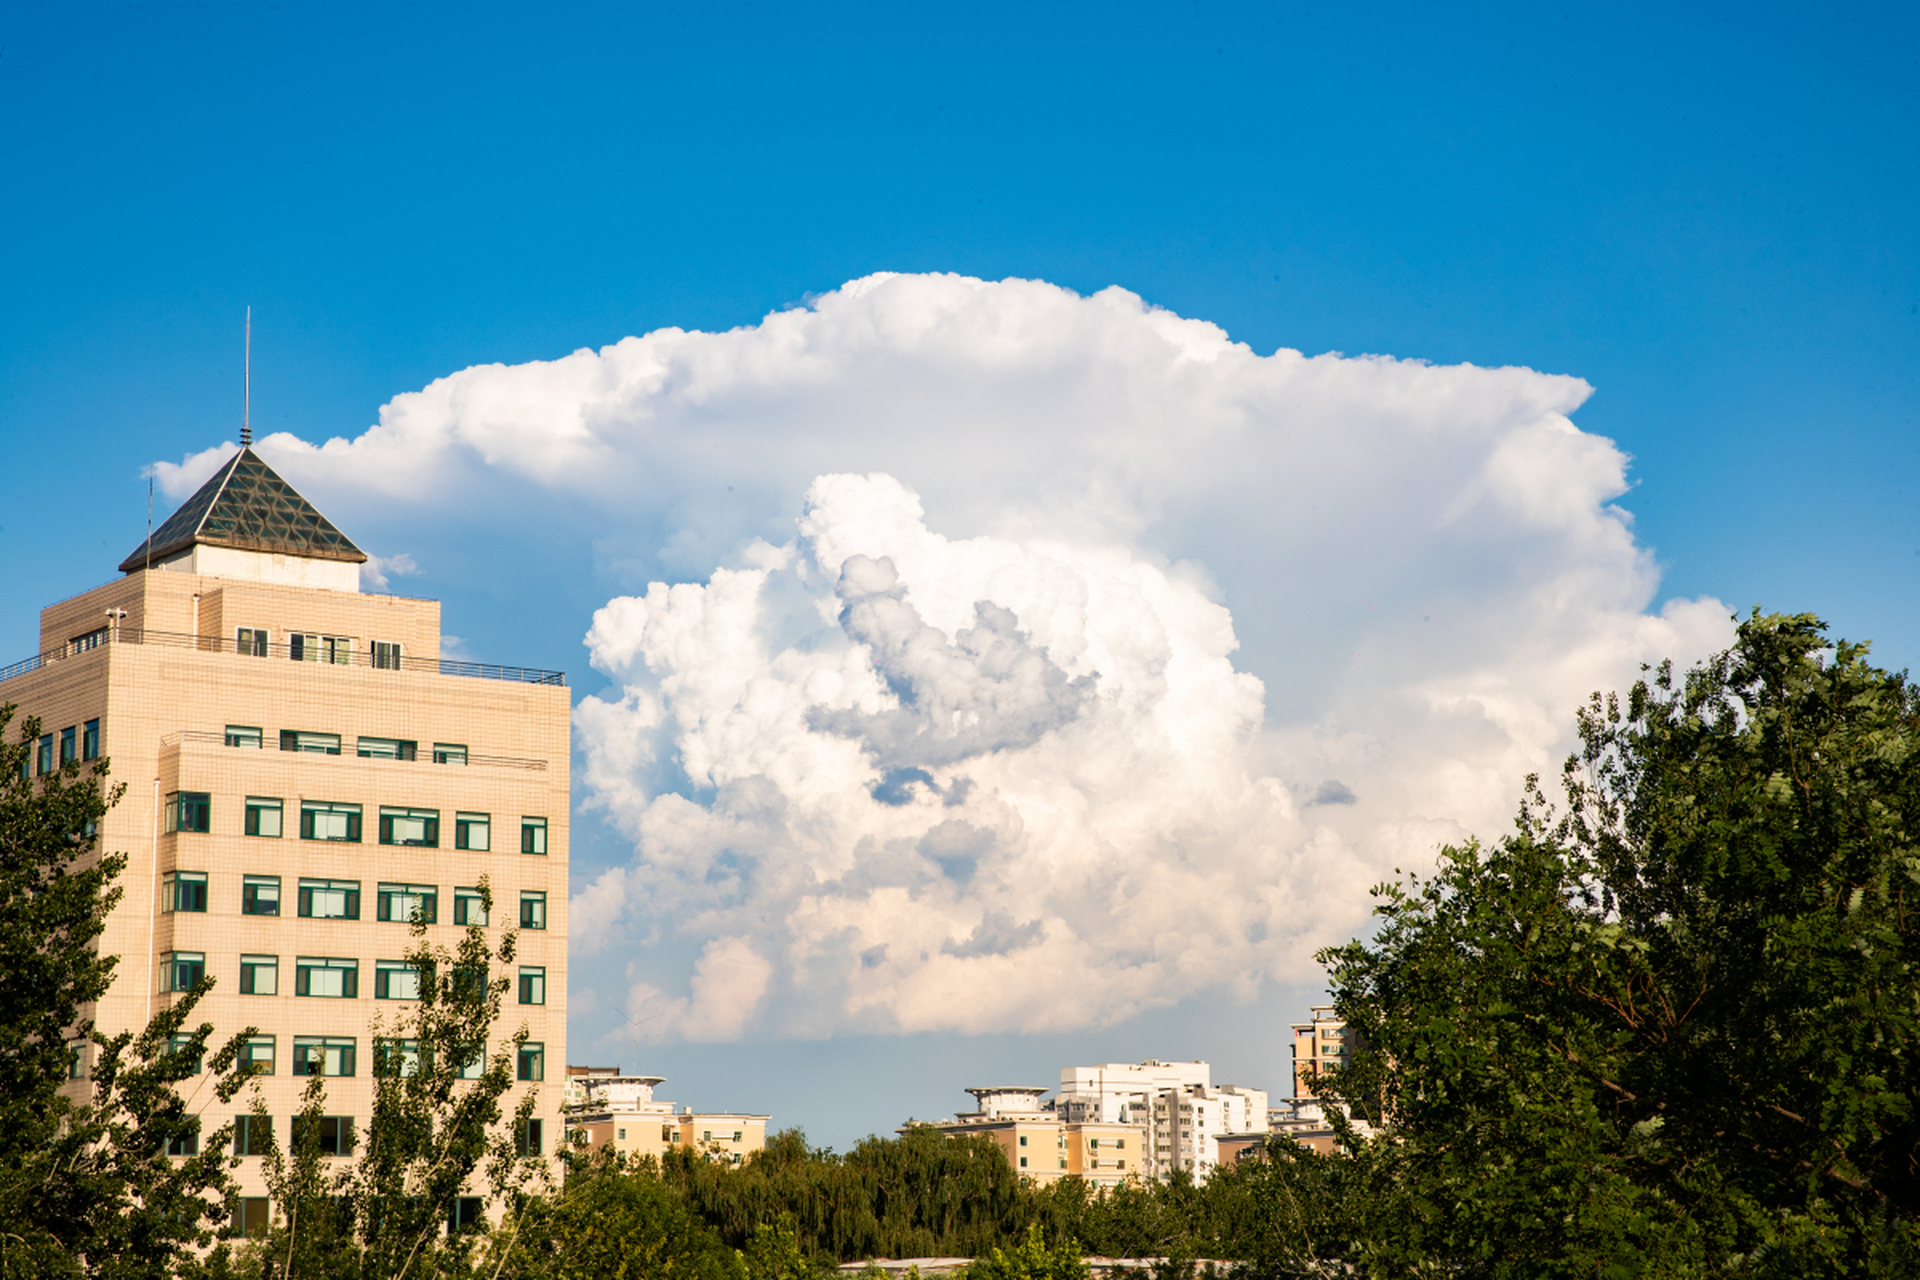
x=1666 y=1026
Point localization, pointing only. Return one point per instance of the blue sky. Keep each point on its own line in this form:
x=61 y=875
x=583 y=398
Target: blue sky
x=1710 y=215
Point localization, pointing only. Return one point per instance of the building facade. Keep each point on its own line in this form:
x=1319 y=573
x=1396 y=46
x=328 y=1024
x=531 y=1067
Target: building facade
x=1042 y=1145
x=304 y=774
x=1184 y=1113
x=608 y=1109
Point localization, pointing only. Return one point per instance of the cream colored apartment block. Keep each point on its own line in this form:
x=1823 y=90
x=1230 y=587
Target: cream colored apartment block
x=608 y=1109
x=1043 y=1146
x=214 y=697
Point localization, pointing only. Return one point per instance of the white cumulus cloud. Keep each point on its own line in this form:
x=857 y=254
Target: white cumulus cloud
x=1019 y=658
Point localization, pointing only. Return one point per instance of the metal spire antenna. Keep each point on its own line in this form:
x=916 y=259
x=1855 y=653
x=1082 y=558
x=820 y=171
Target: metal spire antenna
x=246 y=394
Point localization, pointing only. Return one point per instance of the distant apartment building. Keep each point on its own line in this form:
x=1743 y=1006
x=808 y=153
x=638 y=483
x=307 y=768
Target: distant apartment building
x=608 y=1109
x=1042 y=1145
x=306 y=774
x=1321 y=1042
x=1184 y=1112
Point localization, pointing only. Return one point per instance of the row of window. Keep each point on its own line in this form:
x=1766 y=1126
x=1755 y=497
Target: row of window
x=338 y=1056
x=366 y=747
x=307 y=646
x=316 y=899
x=328 y=976
x=339 y=822
x=253 y=1136
x=253 y=1215
x=76 y=742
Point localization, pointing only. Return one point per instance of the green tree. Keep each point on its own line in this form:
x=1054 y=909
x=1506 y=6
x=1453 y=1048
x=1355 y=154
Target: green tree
x=616 y=1220
x=89 y=1187
x=1032 y=1259
x=1668 y=1028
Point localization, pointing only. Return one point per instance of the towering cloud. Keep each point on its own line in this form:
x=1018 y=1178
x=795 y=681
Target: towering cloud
x=1026 y=659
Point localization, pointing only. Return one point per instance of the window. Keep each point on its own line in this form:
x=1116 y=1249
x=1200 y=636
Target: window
x=252 y=1135
x=322 y=1056
x=183 y=891
x=401 y=901
x=1023 y=1139
x=527 y=1141
x=246 y=735
x=333 y=1134
x=258 y=1055
x=250 y=641
x=325 y=820
x=189 y=1048
x=468 y=982
x=259 y=975
x=396 y=1057
x=533 y=985
x=263 y=817
x=666 y=1133
x=184 y=1144
x=449 y=753
x=419 y=827
x=252 y=1216
x=1023 y=1162
x=305 y=647
x=326 y=976
x=386 y=654
x=386 y=749
x=466 y=1213
x=324 y=744
x=469 y=907
x=69 y=744
x=472 y=831
x=90 y=740
x=533 y=1062
x=395 y=980
x=189 y=811
x=46 y=757
x=77 y=1059
x=533 y=835
x=473 y=1062
x=181 y=970
x=330 y=899
x=260 y=895
x=92 y=640
x=533 y=910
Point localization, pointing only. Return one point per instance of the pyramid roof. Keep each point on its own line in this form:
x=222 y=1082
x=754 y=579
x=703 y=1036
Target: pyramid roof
x=247 y=506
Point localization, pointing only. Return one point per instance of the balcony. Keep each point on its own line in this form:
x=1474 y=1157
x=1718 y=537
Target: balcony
x=341 y=657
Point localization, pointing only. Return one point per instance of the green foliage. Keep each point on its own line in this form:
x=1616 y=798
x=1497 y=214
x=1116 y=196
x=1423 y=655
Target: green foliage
x=1667 y=1030
x=617 y=1220
x=435 y=1134
x=1031 y=1259
x=87 y=1189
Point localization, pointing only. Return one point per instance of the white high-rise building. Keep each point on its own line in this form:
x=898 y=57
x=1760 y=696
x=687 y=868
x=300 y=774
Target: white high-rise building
x=1184 y=1112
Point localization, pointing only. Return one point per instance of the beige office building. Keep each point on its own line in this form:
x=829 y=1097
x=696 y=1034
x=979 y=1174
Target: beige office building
x=608 y=1109
x=304 y=771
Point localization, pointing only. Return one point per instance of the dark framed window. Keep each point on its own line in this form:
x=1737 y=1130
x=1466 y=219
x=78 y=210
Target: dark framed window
x=264 y=817
x=246 y=735
x=179 y=970
x=183 y=891
x=323 y=744
x=468 y=982
x=306 y=647
x=335 y=1133
x=77 y=1059
x=473 y=1062
x=258 y=1055
x=533 y=835
x=533 y=984
x=528 y=1141
x=92 y=640
x=327 y=820
x=396 y=1057
x=386 y=655
x=473 y=831
x=329 y=899
x=251 y=641
x=466 y=1213
x=533 y=910
x=399 y=902
x=449 y=753
x=45 y=762
x=531 y=1062
x=323 y=1056
x=252 y=1216
x=326 y=976
x=260 y=895
x=418 y=827
x=194 y=1051
x=259 y=975
x=395 y=980
x=90 y=740
x=469 y=907
x=386 y=749
x=189 y=811
x=184 y=1144
x=69 y=744
x=252 y=1135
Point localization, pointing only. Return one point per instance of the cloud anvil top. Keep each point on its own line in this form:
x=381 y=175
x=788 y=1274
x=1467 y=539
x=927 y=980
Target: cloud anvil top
x=1030 y=659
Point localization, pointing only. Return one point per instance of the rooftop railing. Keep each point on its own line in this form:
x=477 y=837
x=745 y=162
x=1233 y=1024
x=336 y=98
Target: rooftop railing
x=328 y=651
x=253 y=740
